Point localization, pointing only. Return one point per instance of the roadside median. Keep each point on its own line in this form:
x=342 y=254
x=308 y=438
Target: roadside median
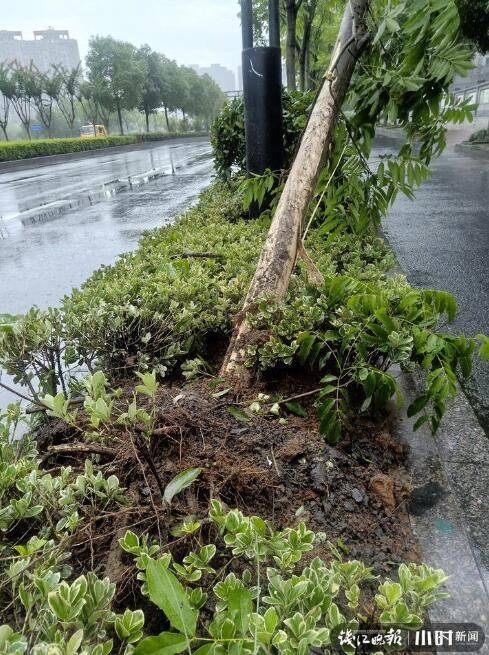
x=20 y=150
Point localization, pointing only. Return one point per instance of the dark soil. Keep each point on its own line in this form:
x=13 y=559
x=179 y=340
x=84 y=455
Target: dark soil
x=355 y=492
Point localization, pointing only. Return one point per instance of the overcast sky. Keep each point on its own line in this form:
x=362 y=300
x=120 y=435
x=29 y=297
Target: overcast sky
x=191 y=31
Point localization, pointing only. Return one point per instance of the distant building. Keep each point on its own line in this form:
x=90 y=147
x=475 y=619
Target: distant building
x=221 y=75
x=475 y=85
x=49 y=47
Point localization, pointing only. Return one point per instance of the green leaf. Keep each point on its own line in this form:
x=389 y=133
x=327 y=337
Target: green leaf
x=180 y=482
x=238 y=414
x=418 y=405
x=204 y=650
x=297 y=409
x=420 y=422
x=484 y=347
x=220 y=394
x=74 y=642
x=168 y=594
x=240 y=602
x=166 y=643
x=306 y=343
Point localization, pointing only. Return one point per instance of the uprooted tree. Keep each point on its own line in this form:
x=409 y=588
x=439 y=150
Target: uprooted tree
x=409 y=53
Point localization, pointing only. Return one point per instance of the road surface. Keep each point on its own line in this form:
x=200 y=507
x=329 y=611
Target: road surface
x=26 y=188
x=40 y=263
x=441 y=240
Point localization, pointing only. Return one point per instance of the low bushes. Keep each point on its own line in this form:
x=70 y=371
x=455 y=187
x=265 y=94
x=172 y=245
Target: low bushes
x=222 y=577
x=165 y=309
x=228 y=133
x=14 y=150
x=480 y=136
x=169 y=307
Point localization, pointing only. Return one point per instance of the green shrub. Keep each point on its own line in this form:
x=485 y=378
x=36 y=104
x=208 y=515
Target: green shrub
x=267 y=608
x=480 y=136
x=48 y=505
x=267 y=602
x=156 y=308
x=14 y=150
x=228 y=134
x=162 y=308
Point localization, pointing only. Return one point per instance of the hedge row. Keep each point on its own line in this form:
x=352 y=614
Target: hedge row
x=11 y=151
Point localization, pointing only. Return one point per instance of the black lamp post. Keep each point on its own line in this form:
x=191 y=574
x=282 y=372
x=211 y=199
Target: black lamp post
x=262 y=93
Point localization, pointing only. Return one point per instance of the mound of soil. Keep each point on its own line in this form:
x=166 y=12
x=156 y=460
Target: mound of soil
x=355 y=492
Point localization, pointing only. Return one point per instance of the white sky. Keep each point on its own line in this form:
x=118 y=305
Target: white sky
x=191 y=31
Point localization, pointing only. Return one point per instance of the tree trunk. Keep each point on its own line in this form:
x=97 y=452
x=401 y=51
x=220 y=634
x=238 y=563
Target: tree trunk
x=119 y=116
x=4 y=130
x=283 y=243
x=305 y=45
x=167 y=120
x=292 y=9
x=147 y=120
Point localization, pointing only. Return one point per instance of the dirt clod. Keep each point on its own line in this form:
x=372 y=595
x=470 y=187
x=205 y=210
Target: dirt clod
x=383 y=488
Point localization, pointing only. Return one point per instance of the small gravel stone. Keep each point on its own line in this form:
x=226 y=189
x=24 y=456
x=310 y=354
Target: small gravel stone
x=357 y=495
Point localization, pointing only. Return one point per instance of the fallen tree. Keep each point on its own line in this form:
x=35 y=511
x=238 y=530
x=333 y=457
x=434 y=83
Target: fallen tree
x=282 y=246
x=415 y=51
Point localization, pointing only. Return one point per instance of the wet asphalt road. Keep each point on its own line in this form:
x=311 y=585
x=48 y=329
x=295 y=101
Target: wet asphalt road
x=441 y=240
x=23 y=189
x=40 y=263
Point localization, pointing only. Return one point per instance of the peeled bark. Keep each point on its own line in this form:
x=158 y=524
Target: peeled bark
x=284 y=240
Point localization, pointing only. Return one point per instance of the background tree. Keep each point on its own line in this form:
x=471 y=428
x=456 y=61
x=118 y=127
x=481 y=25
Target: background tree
x=154 y=80
x=115 y=65
x=212 y=100
x=173 y=87
x=6 y=94
x=189 y=96
x=24 y=87
x=323 y=35
x=309 y=29
x=474 y=22
x=292 y=8
x=97 y=103
x=46 y=90
x=69 y=93
x=308 y=16
x=4 y=114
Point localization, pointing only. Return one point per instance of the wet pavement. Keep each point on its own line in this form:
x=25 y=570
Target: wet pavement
x=441 y=240
x=41 y=262
x=24 y=189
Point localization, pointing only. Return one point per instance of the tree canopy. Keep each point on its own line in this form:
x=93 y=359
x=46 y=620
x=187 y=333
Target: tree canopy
x=118 y=78
x=474 y=22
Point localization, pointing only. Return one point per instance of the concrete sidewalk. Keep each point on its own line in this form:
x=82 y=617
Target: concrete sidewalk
x=448 y=507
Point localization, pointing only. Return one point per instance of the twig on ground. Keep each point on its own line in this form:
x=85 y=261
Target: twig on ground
x=197 y=255
x=151 y=498
x=76 y=447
